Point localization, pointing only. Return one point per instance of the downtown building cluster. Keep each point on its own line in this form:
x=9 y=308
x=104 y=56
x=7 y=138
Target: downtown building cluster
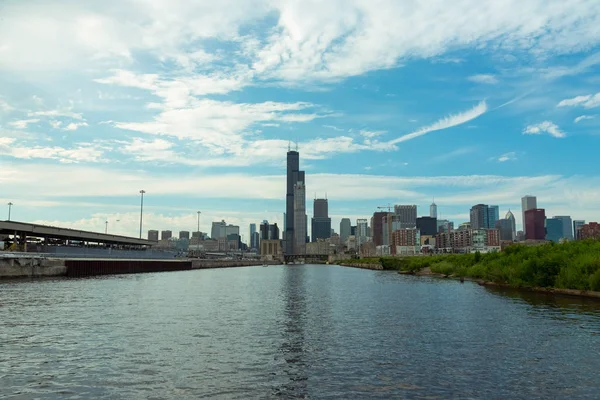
x=391 y=230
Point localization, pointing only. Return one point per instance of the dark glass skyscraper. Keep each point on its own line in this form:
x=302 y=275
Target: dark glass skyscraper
x=321 y=223
x=294 y=175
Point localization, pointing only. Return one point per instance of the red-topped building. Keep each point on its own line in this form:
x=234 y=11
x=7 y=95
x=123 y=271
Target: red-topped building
x=535 y=224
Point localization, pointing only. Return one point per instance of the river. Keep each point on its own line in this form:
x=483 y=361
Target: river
x=292 y=332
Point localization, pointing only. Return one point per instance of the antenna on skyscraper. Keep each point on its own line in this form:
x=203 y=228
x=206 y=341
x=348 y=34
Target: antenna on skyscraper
x=296 y=145
x=289 y=145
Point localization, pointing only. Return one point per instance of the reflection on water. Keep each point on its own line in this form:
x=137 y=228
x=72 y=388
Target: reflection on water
x=292 y=332
x=293 y=335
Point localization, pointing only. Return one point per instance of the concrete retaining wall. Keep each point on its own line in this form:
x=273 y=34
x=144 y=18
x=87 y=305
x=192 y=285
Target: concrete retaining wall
x=31 y=268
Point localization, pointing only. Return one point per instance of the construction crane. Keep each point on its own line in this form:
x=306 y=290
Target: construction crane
x=388 y=207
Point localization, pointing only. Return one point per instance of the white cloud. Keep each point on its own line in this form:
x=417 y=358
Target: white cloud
x=588 y=101
x=56 y=113
x=79 y=153
x=55 y=124
x=446 y=122
x=22 y=124
x=371 y=134
x=462 y=151
x=511 y=156
x=487 y=79
x=583 y=117
x=4 y=106
x=73 y=126
x=547 y=127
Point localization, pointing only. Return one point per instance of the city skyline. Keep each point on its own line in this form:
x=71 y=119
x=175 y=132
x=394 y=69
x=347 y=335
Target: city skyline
x=201 y=117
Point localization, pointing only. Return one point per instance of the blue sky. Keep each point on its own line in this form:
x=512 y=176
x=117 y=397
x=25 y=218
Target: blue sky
x=390 y=102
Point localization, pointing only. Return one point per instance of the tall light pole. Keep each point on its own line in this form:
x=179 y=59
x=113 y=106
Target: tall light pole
x=141 y=211
x=9 y=209
x=199 y=225
x=105 y=227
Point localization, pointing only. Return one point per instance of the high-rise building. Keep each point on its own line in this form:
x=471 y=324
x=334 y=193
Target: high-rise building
x=590 y=230
x=320 y=223
x=256 y=240
x=427 y=226
x=273 y=232
x=493 y=216
x=513 y=224
x=479 y=216
x=294 y=185
x=407 y=214
x=252 y=231
x=166 y=235
x=299 y=212
x=345 y=229
x=577 y=224
x=184 y=234
x=527 y=203
x=554 y=229
x=153 y=235
x=361 y=231
x=505 y=227
x=567 y=224
x=535 y=221
x=432 y=211
x=377 y=227
x=264 y=230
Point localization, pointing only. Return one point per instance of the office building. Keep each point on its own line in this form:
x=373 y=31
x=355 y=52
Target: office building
x=479 y=216
x=221 y=230
x=433 y=210
x=590 y=231
x=535 y=221
x=554 y=229
x=577 y=224
x=255 y=240
x=295 y=185
x=273 y=231
x=567 y=226
x=493 y=216
x=377 y=227
x=407 y=215
x=405 y=241
x=264 y=230
x=361 y=231
x=252 y=231
x=504 y=226
x=184 y=235
x=320 y=223
x=427 y=226
x=153 y=235
x=527 y=203
x=443 y=225
x=509 y=216
x=166 y=235
x=299 y=223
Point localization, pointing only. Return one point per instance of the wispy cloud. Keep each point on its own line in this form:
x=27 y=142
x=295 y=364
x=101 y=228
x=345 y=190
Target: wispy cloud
x=511 y=156
x=447 y=122
x=544 y=127
x=587 y=101
x=73 y=126
x=56 y=113
x=462 y=151
x=487 y=79
x=371 y=134
x=583 y=117
x=22 y=124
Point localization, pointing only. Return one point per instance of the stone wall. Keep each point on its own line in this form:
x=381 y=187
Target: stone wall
x=31 y=267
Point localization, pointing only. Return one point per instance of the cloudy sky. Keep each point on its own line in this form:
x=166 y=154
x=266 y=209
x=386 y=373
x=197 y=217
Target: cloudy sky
x=390 y=103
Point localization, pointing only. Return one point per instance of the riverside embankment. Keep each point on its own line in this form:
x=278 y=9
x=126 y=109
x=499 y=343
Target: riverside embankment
x=38 y=267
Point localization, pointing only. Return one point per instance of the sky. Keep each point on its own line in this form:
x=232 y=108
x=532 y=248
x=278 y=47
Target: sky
x=389 y=102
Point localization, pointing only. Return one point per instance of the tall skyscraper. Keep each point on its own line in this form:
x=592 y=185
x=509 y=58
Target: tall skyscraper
x=567 y=226
x=577 y=224
x=377 y=227
x=493 y=216
x=408 y=216
x=427 y=226
x=361 y=231
x=184 y=235
x=535 y=223
x=165 y=235
x=253 y=245
x=320 y=223
x=433 y=210
x=345 y=229
x=554 y=229
x=505 y=228
x=299 y=213
x=513 y=224
x=479 y=216
x=293 y=179
x=153 y=235
x=527 y=203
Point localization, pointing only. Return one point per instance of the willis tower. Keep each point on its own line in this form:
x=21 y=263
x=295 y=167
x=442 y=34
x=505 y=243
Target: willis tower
x=295 y=216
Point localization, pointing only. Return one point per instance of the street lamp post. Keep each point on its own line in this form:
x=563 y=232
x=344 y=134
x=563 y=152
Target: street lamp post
x=199 y=225
x=105 y=227
x=141 y=211
x=10 y=204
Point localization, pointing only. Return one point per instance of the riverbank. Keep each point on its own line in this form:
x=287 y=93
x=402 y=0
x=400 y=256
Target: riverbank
x=571 y=268
x=39 y=267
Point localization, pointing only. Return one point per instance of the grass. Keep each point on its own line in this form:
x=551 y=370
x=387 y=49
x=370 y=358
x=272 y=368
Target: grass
x=572 y=265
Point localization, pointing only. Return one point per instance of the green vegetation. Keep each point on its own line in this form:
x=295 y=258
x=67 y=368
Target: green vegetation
x=572 y=265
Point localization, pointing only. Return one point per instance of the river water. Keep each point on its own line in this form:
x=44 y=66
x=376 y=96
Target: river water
x=292 y=332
